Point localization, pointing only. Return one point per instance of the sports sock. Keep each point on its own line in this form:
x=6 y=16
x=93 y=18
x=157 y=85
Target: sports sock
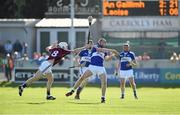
x=24 y=85
x=102 y=97
x=79 y=90
x=48 y=93
x=73 y=89
x=122 y=95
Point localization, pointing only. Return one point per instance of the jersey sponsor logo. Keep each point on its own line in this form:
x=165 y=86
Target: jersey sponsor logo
x=86 y=58
x=100 y=54
x=126 y=59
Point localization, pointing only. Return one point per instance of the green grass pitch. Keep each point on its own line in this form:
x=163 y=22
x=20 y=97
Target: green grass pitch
x=152 y=101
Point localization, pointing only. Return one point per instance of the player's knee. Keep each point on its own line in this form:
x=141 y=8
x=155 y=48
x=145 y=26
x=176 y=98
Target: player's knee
x=134 y=84
x=104 y=82
x=51 y=80
x=122 y=84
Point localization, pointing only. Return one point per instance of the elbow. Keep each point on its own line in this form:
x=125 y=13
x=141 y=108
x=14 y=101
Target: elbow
x=47 y=49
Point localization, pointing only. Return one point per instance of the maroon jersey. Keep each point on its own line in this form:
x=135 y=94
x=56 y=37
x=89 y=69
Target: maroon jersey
x=57 y=54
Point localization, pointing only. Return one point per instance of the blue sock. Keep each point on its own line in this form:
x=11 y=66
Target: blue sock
x=24 y=85
x=79 y=90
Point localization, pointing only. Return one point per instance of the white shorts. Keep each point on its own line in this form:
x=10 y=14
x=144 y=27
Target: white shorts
x=126 y=74
x=45 y=67
x=97 y=70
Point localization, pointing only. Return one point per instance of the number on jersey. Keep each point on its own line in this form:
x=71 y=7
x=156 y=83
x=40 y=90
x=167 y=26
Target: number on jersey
x=55 y=53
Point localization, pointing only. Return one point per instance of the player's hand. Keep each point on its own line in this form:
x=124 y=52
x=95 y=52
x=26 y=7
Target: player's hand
x=131 y=63
x=128 y=64
x=115 y=52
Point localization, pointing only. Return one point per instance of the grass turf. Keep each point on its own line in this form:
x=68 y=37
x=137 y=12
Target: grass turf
x=151 y=101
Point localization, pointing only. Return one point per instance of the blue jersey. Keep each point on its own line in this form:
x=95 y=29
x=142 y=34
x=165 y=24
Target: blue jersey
x=85 y=57
x=125 y=58
x=97 y=58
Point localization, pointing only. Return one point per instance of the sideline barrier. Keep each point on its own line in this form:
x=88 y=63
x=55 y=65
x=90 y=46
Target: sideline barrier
x=145 y=75
x=60 y=75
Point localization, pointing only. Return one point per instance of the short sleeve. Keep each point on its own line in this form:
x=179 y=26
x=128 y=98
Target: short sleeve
x=81 y=53
x=133 y=56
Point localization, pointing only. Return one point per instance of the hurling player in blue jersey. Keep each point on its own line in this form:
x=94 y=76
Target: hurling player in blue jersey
x=96 y=67
x=126 y=64
x=85 y=59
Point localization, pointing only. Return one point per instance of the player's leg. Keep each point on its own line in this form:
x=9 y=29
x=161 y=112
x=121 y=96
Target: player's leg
x=82 y=85
x=122 y=86
x=10 y=73
x=103 y=78
x=80 y=88
x=49 y=84
x=6 y=73
x=87 y=74
x=38 y=75
x=123 y=75
x=133 y=85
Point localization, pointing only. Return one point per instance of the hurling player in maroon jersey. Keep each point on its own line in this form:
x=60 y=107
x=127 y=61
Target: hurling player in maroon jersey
x=56 y=53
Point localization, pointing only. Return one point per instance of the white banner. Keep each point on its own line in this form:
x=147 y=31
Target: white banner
x=140 y=24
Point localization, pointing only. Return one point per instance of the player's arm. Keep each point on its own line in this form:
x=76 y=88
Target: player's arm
x=113 y=51
x=117 y=67
x=107 y=50
x=54 y=45
x=77 y=50
x=109 y=57
x=133 y=63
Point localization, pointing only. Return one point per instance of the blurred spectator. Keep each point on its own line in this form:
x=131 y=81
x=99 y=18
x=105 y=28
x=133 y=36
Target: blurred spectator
x=145 y=56
x=2 y=51
x=8 y=66
x=16 y=55
x=36 y=57
x=25 y=57
x=1 y=63
x=43 y=57
x=174 y=58
x=139 y=58
x=161 y=48
x=17 y=46
x=8 y=47
x=16 y=58
x=24 y=50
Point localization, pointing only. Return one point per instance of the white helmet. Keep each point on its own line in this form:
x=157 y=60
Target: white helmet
x=63 y=45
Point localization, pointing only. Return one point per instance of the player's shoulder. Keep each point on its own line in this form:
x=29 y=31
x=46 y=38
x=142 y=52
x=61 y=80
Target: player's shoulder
x=94 y=48
x=63 y=50
x=53 y=49
x=121 y=52
x=82 y=52
x=131 y=52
